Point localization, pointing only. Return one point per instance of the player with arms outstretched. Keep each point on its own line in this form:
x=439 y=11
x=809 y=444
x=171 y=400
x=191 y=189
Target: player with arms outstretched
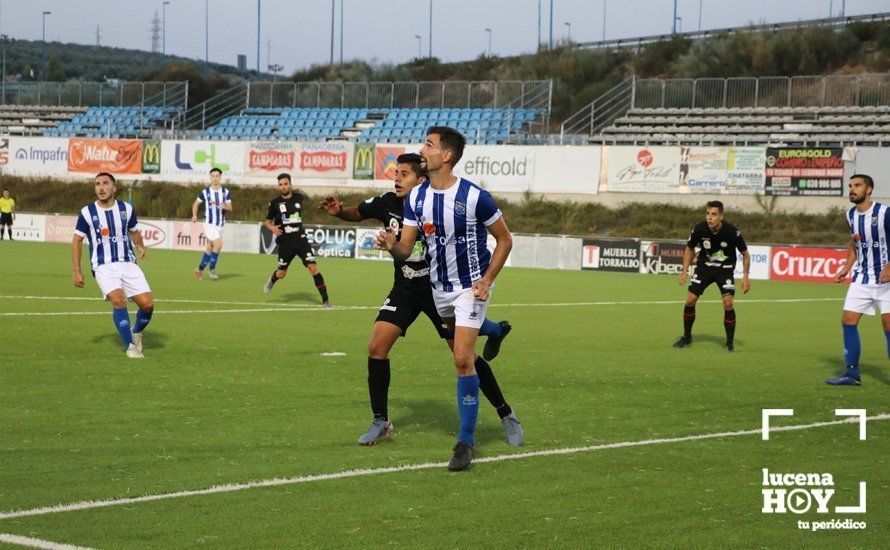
x=110 y=227
x=455 y=217
x=410 y=296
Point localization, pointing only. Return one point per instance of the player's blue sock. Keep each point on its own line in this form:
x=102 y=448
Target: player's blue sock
x=122 y=322
x=467 y=406
x=204 y=259
x=887 y=336
x=214 y=257
x=490 y=328
x=852 y=349
x=142 y=319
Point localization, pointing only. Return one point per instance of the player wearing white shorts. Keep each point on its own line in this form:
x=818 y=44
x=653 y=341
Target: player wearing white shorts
x=217 y=201
x=455 y=217
x=110 y=227
x=869 y=291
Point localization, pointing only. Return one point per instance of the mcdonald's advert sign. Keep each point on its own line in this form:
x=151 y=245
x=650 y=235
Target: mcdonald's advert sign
x=151 y=156
x=363 y=167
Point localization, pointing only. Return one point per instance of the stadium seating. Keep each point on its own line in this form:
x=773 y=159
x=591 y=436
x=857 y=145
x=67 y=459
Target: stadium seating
x=120 y=122
x=819 y=126
x=28 y=120
x=488 y=126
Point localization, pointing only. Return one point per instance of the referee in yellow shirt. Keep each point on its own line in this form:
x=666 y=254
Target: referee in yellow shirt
x=7 y=213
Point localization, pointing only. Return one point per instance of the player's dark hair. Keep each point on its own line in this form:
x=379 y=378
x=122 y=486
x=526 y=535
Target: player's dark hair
x=100 y=174
x=215 y=169
x=450 y=139
x=284 y=176
x=716 y=204
x=869 y=182
x=413 y=159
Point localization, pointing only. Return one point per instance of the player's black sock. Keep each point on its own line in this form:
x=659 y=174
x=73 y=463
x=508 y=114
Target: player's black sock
x=489 y=386
x=319 y=284
x=729 y=325
x=378 y=386
x=688 y=319
x=274 y=277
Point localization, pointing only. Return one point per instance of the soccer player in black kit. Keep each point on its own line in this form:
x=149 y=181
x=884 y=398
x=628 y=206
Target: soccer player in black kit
x=285 y=221
x=410 y=296
x=717 y=241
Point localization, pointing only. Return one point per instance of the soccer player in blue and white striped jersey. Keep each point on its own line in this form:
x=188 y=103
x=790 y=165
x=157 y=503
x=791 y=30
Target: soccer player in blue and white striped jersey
x=217 y=201
x=455 y=217
x=110 y=227
x=868 y=258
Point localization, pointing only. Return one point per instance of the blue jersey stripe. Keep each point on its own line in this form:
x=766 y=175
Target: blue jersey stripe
x=460 y=235
x=482 y=244
x=875 y=244
x=440 y=237
x=863 y=250
x=112 y=234
x=96 y=236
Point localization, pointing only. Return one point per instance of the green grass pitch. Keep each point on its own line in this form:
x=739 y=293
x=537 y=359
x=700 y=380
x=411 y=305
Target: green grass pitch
x=235 y=388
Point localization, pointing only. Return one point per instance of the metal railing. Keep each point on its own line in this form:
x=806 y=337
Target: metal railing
x=766 y=91
x=94 y=94
x=640 y=41
x=535 y=94
x=869 y=90
x=598 y=113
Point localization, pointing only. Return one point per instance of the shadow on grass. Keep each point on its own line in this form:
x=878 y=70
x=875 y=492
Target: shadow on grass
x=153 y=340
x=834 y=366
x=304 y=298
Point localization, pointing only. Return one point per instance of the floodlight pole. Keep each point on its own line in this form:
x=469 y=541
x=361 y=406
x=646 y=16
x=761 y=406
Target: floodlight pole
x=258 y=12
x=164 y=34
x=674 y=28
x=43 y=48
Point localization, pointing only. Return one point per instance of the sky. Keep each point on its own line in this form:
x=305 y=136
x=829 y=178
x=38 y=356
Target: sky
x=385 y=30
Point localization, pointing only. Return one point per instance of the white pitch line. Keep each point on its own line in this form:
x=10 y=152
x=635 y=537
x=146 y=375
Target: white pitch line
x=86 y=505
x=365 y=308
x=37 y=543
x=165 y=300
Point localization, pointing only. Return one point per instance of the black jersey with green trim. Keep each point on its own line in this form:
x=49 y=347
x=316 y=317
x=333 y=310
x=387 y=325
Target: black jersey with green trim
x=718 y=250
x=388 y=208
x=287 y=215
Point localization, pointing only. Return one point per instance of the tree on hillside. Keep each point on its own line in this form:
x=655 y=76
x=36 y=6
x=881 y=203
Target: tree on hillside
x=201 y=87
x=54 y=72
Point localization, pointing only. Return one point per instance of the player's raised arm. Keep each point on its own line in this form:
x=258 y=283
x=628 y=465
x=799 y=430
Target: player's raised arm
x=335 y=208
x=401 y=249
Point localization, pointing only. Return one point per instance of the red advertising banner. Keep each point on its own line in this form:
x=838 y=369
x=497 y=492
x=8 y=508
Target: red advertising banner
x=271 y=158
x=385 y=162
x=118 y=156
x=799 y=263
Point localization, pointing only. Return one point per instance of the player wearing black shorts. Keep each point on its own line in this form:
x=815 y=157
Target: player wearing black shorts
x=717 y=242
x=410 y=296
x=285 y=221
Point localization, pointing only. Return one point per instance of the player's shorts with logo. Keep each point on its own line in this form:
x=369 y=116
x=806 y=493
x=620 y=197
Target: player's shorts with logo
x=126 y=276
x=212 y=232
x=404 y=304
x=868 y=299
x=703 y=278
x=290 y=249
x=6 y=218
x=463 y=306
